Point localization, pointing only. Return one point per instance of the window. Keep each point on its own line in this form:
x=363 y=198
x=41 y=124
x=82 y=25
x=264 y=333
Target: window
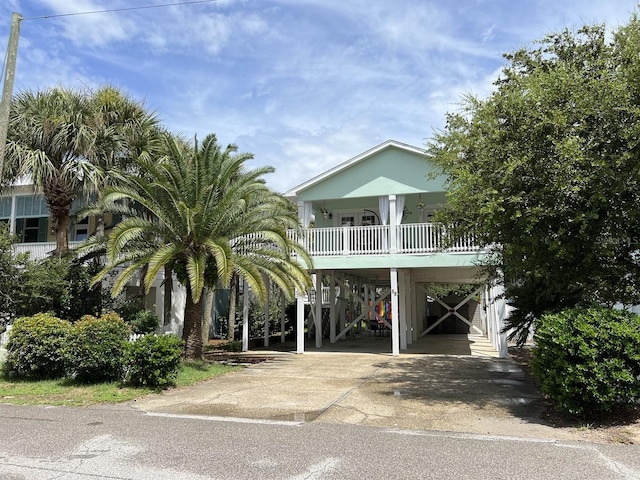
x=32 y=229
x=81 y=230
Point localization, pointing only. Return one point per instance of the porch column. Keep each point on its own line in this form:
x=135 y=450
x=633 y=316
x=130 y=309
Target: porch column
x=393 y=225
x=267 y=284
x=395 y=338
x=283 y=320
x=12 y=215
x=299 y=322
x=332 y=307
x=402 y=307
x=245 y=317
x=318 y=307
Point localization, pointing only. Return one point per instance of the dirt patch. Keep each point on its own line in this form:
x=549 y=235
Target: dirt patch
x=621 y=426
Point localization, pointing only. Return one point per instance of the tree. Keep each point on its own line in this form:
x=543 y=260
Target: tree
x=11 y=269
x=211 y=217
x=545 y=171
x=124 y=130
x=66 y=141
x=48 y=138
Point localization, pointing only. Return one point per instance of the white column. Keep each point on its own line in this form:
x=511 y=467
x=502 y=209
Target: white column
x=282 y=318
x=318 y=308
x=402 y=308
x=393 y=225
x=415 y=312
x=299 y=322
x=12 y=215
x=395 y=337
x=245 y=317
x=332 y=307
x=267 y=284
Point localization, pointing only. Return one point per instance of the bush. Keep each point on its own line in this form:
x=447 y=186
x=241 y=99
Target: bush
x=36 y=346
x=154 y=361
x=144 y=321
x=134 y=313
x=96 y=348
x=587 y=360
x=59 y=285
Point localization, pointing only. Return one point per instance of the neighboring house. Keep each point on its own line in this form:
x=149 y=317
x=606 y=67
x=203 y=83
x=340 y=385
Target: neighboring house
x=377 y=255
x=25 y=211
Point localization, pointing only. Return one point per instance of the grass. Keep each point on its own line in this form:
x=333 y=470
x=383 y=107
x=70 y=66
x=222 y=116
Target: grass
x=64 y=392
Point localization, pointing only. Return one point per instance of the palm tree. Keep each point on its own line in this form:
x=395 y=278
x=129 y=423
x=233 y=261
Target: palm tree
x=212 y=218
x=124 y=131
x=66 y=141
x=48 y=138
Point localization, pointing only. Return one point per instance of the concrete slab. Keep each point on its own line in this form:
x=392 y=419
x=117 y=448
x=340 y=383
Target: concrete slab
x=466 y=393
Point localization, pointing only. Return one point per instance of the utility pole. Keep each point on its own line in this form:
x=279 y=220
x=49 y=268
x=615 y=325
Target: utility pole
x=7 y=91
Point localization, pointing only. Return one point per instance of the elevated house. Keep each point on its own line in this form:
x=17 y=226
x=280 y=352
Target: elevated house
x=377 y=257
x=379 y=262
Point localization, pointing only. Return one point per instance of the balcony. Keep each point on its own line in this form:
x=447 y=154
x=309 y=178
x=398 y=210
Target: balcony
x=39 y=250
x=411 y=238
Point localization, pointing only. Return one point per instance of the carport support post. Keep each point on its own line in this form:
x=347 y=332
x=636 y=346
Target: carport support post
x=415 y=311
x=332 y=307
x=299 y=322
x=267 y=285
x=395 y=339
x=402 y=308
x=245 y=317
x=318 y=309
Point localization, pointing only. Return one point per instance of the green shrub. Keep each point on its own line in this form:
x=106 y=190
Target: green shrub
x=134 y=313
x=96 y=348
x=154 y=361
x=35 y=348
x=587 y=360
x=144 y=321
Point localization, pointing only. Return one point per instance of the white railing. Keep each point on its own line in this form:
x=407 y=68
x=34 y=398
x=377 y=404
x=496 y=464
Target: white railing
x=38 y=250
x=335 y=241
x=375 y=240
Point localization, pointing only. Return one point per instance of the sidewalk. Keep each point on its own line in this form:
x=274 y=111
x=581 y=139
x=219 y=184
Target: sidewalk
x=464 y=393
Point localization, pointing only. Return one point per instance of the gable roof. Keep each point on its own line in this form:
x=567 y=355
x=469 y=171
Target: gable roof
x=351 y=162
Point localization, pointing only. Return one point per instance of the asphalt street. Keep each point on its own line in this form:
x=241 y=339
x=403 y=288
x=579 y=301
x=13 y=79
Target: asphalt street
x=118 y=442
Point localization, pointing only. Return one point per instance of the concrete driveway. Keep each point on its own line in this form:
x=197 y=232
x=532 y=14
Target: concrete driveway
x=467 y=393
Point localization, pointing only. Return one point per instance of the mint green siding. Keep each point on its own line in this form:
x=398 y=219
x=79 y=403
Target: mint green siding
x=389 y=171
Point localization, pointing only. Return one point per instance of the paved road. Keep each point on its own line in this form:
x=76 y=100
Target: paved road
x=38 y=443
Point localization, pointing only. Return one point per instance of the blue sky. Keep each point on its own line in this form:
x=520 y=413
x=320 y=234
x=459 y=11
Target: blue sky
x=302 y=84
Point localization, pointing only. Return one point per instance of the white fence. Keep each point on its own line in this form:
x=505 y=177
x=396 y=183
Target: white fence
x=4 y=336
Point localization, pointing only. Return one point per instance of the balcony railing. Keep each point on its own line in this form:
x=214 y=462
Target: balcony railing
x=411 y=238
x=39 y=250
x=376 y=240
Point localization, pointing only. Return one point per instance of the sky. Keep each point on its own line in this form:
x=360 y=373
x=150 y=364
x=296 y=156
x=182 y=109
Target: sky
x=304 y=85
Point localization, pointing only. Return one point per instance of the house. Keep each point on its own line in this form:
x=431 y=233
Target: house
x=377 y=256
x=378 y=260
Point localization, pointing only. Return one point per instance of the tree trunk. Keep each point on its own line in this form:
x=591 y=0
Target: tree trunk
x=168 y=295
x=208 y=311
x=233 y=294
x=62 y=234
x=100 y=225
x=192 y=331
x=143 y=286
